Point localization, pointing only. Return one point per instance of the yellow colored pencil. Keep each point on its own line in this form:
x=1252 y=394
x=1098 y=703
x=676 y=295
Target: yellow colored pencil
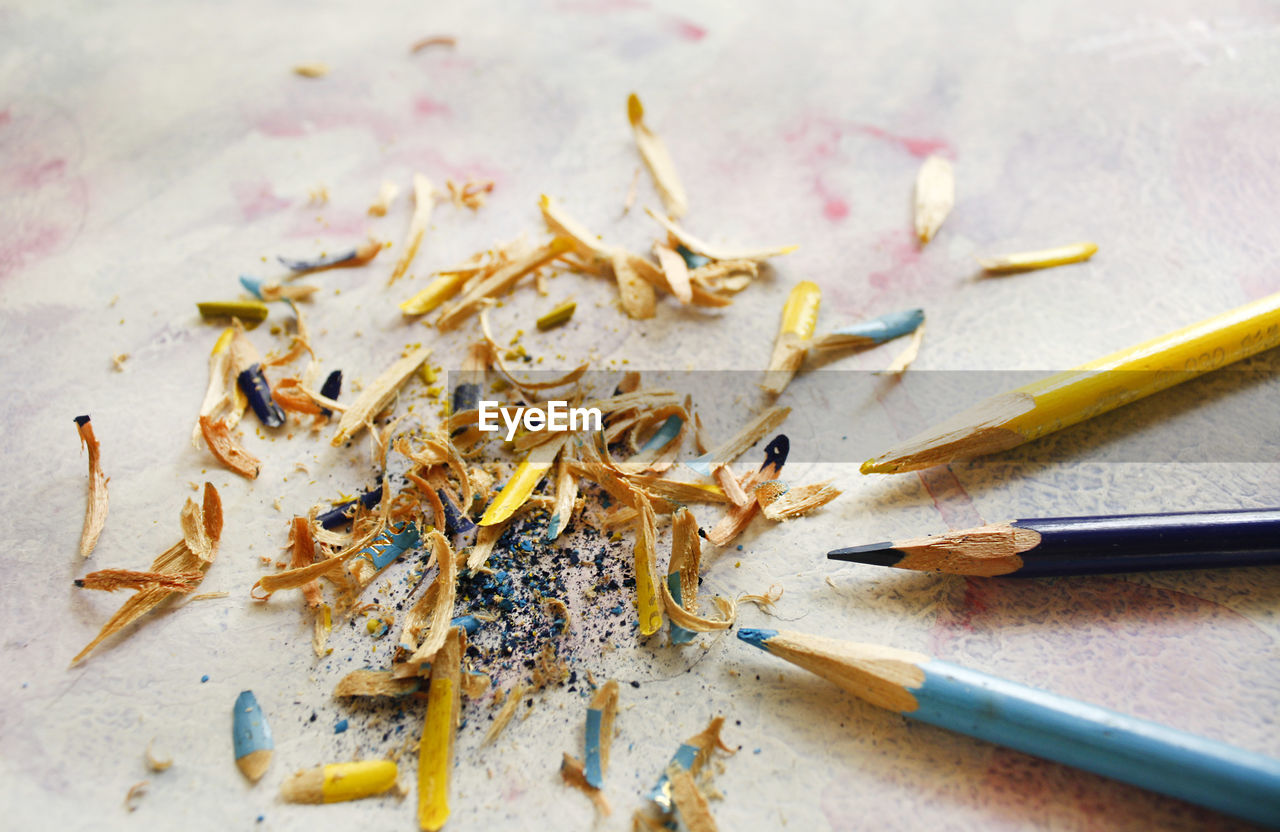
x=1034 y=410
x=799 y=319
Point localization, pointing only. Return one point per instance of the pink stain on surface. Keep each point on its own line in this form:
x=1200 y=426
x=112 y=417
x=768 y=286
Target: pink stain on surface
x=27 y=242
x=257 y=199
x=833 y=207
x=38 y=174
x=686 y=29
x=601 y=6
x=894 y=282
x=333 y=224
x=425 y=106
x=293 y=120
x=919 y=147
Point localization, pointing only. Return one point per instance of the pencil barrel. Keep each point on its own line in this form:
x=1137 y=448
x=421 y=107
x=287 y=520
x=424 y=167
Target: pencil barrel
x=1135 y=751
x=1146 y=542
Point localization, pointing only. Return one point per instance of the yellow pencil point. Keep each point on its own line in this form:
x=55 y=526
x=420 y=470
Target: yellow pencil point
x=800 y=314
x=799 y=319
x=869 y=467
x=437 y=292
x=339 y=782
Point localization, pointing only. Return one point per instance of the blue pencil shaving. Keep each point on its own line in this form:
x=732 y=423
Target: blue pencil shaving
x=679 y=635
x=251 y=736
x=258 y=393
x=692 y=260
x=668 y=431
x=872 y=332
x=390 y=544
x=354 y=257
x=252 y=285
x=331 y=389
x=340 y=727
x=661 y=792
x=466 y=397
x=690 y=756
x=341 y=514
x=600 y=714
x=467 y=622
x=454 y=520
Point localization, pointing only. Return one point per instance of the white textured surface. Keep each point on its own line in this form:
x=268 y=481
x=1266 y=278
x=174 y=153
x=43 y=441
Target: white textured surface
x=155 y=151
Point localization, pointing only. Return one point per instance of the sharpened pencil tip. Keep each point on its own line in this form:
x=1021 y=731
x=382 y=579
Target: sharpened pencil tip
x=875 y=554
x=868 y=467
x=756 y=638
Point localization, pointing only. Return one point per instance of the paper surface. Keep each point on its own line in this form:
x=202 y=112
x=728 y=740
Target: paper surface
x=151 y=154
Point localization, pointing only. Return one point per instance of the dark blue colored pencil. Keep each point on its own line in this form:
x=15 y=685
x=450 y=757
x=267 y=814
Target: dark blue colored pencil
x=1088 y=545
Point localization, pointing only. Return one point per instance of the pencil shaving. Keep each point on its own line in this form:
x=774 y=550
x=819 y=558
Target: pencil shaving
x=656 y=158
x=712 y=251
x=935 y=196
x=571 y=771
x=424 y=197
x=95 y=510
x=375 y=398
x=908 y=355
x=312 y=69
x=1044 y=259
x=110 y=580
x=504 y=714
x=780 y=502
x=366 y=683
x=202 y=528
x=386 y=195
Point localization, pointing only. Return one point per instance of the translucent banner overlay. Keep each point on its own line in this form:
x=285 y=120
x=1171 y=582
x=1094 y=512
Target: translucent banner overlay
x=1231 y=415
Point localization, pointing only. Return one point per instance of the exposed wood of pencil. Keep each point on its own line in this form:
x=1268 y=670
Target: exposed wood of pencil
x=1031 y=411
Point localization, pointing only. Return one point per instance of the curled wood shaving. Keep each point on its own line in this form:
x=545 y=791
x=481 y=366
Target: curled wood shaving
x=135 y=793
x=715 y=252
x=218 y=437
x=572 y=773
x=779 y=502
x=750 y=434
x=375 y=398
x=689 y=801
x=715 y=274
x=495 y=359
x=424 y=197
x=374 y=683
x=500 y=280
x=268 y=585
x=224 y=401
x=566 y=499
x=729 y=484
x=289 y=394
x=658 y=161
x=475 y=684
x=178 y=559
x=504 y=715
x=689 y=620
x=638 y=298
x=304 y=554
x=299 y=292
x=648 y=605
x=675 y=270
x=680 y=491
x=739 y=517
x=109 y=580
x=155 y=763
x=433 y=40
x=469 y=194
x=766 y=600
x=935 y=196
x=435 y=608
x=95 y=511
x=908 y=356
x=386 y=193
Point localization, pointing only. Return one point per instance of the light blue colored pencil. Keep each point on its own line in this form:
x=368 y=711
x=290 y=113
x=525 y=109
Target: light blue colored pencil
x=1125 y=748
x=251 y=736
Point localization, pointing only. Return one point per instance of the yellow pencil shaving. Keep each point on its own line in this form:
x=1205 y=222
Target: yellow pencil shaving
x=658 y=161
x=435 y=749
x=499 y=280
x=799 y=319
x=424 y=196
x=698 y=246
x=1034 y=410
x=337 y=782
x=437 y=292
x=224 y=401
x=515 y=492
x=647 y=601
x=680 y=491
x=935 y=196
x=1043 y=259
x=95 y=510
x=312 y=69
x=560 y=315
x=375 y=398
x=251 y=312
